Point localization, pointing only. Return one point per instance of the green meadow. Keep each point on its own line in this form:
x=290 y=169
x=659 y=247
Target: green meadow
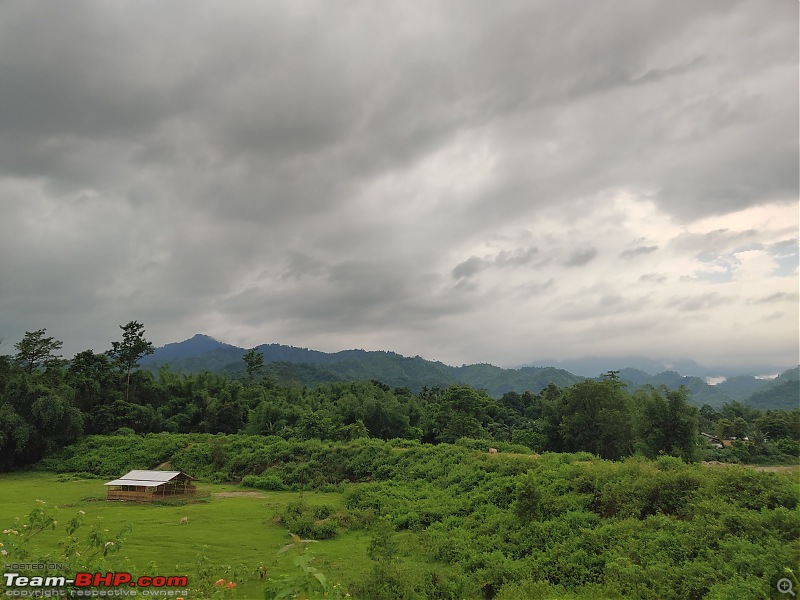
x=231 y=532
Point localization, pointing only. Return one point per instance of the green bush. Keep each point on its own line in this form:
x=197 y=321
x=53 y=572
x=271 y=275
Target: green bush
x=314 y=522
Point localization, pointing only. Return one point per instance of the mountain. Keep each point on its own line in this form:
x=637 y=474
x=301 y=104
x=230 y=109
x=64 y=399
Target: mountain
x=701 y=391
x=195 y=346
x=782 y=392
x=312 y=367
x=498 y=381
x=592 y=366
x=635 y=377
x=741 y=387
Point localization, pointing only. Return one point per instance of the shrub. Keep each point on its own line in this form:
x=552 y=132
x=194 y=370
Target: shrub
x=316 y=522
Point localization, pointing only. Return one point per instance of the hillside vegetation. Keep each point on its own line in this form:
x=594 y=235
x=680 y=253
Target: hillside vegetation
x=312 y=367
x=506 y=525
x=46 y=403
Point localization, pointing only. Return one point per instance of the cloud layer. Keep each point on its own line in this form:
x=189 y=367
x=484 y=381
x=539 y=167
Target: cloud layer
x=465 y=181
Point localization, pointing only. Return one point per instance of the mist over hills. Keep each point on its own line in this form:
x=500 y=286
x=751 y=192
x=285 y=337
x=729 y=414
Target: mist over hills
x=592 y=365
x=312 y=367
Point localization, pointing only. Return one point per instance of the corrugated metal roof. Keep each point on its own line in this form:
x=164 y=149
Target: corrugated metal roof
x=146 y=478
x=137 y=482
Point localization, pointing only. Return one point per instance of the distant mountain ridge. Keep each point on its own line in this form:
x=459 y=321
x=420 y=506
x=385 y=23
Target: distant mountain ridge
x=197 y=345
x=312 y=367
x=592 y=365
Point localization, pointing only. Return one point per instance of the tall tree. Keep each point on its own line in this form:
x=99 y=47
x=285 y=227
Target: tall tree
x=94 y=380
x=130 y=350
x=596 y=416
x=36 y=350
x=461 y=412
x=254 y=362
x=666 y=423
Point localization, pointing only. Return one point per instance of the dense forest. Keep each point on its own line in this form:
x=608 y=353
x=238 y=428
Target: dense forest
x=47 y=402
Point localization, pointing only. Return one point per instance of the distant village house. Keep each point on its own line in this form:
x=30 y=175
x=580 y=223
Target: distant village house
x=716 y=442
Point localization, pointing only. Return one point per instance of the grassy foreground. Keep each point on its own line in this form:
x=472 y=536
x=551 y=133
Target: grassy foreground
x=233 y=529
x=402 y=520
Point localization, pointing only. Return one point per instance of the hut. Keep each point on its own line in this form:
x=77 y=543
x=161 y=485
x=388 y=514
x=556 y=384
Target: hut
x=146 y=486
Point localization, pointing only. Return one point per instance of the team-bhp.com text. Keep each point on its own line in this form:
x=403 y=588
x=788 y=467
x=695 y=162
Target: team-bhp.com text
x=53 y=586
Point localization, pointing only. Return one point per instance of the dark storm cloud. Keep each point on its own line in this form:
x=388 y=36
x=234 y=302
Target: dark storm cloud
x=345 y=97
x=616 y=130
x=301 y=168
x=359 y=295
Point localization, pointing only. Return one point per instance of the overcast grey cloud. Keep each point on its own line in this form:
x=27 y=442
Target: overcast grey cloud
x=638 y=251
x=471 y=182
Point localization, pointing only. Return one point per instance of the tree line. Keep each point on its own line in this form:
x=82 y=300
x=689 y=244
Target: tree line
x=47 y=402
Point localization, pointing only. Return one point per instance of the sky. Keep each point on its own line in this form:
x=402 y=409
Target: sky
x=469 y=181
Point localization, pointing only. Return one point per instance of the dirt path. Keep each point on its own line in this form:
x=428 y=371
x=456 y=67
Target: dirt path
x=239 y=495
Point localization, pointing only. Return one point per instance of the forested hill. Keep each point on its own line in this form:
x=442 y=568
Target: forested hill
x=782 y=392
x=312 y=367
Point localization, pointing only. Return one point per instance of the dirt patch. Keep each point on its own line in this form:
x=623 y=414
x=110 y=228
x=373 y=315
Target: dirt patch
x=239 y=495
x=779 y=469
x=776 y=469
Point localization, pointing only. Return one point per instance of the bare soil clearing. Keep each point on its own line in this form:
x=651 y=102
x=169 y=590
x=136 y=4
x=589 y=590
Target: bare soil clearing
x=238 y=495
x=776 y=469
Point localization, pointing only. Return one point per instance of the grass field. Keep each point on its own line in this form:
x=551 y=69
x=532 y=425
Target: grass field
x=233 y=528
